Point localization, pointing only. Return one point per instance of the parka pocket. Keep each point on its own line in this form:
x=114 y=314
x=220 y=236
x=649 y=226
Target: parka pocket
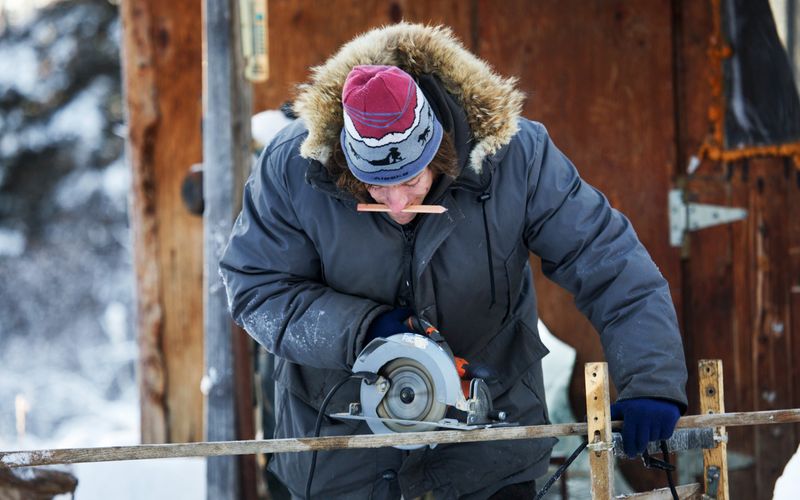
x=533 y=380
x=524 y=403
x=510 y=353
x=311 y=385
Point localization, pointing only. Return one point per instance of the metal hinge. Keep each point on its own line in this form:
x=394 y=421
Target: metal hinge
x=685 y=217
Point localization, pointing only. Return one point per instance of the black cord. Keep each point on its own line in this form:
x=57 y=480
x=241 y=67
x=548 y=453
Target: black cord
x=561 y=470
x=370 y=378
x=664 y=451
x=670 y=481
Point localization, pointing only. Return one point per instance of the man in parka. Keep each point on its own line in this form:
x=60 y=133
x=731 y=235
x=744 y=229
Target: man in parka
x=405 y=115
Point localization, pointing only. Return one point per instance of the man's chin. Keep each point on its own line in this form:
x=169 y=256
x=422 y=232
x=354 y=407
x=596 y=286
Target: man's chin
x=402 y=217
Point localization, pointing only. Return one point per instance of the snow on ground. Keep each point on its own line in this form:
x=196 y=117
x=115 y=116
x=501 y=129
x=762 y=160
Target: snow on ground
x=66 y=394
x=167 y=479
x=12 y=242
x=787 y=487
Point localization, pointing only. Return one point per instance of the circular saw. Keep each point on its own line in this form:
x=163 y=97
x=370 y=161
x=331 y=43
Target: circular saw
x=418 y=389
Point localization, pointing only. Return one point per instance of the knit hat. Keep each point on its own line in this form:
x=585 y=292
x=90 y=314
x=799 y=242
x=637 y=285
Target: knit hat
x=390 y=133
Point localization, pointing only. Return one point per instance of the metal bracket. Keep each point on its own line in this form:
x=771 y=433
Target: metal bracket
x=712 y=478
x=685 y=217
x=600 y=446
x=681 y=440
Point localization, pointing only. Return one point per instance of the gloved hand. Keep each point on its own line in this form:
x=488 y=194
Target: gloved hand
x=389 y=323
x=469 y=371
x=644 y=420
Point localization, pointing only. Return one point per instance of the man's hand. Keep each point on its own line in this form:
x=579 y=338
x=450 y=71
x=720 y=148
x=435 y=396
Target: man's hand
x=644 y=420
x=468 y=371
x=388 y=324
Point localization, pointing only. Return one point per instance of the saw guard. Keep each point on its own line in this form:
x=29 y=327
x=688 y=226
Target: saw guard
x=437 y=362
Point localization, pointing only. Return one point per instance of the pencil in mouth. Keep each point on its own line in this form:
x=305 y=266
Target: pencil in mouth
x=414 y=209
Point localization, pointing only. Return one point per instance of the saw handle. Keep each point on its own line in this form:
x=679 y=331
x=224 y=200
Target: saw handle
x=419 y=325
x=461 y=365
x=466 y=370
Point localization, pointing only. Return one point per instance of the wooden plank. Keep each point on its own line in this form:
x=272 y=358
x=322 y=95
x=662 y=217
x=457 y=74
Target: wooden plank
x=685 y=492
x=717 y=291
x=712 y=401
x=226 y=160
x=771 y=344
x=14 y=459
x=739 y=372
x=598 y=418
x=36 y=484
x=793 y=188
x=162 y=73
x=320 y=28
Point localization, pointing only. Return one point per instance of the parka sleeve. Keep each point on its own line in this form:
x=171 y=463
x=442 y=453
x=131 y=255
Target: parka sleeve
x=273 y=278
x=592 y=251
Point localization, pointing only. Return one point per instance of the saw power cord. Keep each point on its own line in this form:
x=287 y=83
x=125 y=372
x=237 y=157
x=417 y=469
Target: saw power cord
x=550 y=482
x=649 y=462
x=370 y=378
x=670 y=481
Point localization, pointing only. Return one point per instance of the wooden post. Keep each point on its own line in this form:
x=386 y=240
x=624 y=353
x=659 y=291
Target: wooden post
x=226 y=160
x=712 y=400
x=162 y=72
x=601 y=461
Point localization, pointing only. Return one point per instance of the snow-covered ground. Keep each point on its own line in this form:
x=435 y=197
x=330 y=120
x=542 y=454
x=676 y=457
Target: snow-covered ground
x=787 y=487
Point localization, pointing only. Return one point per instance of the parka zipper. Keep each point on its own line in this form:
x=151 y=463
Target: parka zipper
x=484 y=194
x=406 y=295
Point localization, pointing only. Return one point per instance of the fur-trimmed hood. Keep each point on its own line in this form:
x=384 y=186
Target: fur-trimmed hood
x=492 y=103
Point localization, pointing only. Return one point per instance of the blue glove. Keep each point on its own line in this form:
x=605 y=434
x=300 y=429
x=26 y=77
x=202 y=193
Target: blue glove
x=644 y=420
x=389 y=323
x=476 y=370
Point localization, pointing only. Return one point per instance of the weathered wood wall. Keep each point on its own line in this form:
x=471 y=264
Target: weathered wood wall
x=740 y=303
x=303 y=33
x=599 y=76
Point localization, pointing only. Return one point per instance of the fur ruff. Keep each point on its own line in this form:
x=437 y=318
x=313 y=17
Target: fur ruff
x=492 y=103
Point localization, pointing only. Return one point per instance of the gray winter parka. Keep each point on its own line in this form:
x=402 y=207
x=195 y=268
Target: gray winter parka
x=306 y=274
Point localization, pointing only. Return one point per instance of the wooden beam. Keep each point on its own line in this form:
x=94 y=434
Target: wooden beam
x=601 y=461
x=162 y=71
x=143 y=117
x=685 y=492
x=226 y=160
x=712 y=401
x=13 y=459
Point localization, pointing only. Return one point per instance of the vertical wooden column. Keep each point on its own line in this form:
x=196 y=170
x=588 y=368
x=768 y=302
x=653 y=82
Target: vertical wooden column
x=601 y=462
x=161 y=60
x=712 y=400
x=226 y=158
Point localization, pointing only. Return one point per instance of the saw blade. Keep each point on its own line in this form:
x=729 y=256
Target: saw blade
x=411 y=397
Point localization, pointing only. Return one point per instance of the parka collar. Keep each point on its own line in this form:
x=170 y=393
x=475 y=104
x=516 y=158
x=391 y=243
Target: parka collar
x=492 y=103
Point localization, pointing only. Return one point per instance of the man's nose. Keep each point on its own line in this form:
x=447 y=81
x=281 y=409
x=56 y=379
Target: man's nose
x=396 y=200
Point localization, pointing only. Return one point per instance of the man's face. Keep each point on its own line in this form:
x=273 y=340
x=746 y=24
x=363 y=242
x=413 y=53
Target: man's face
x=399 y=196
